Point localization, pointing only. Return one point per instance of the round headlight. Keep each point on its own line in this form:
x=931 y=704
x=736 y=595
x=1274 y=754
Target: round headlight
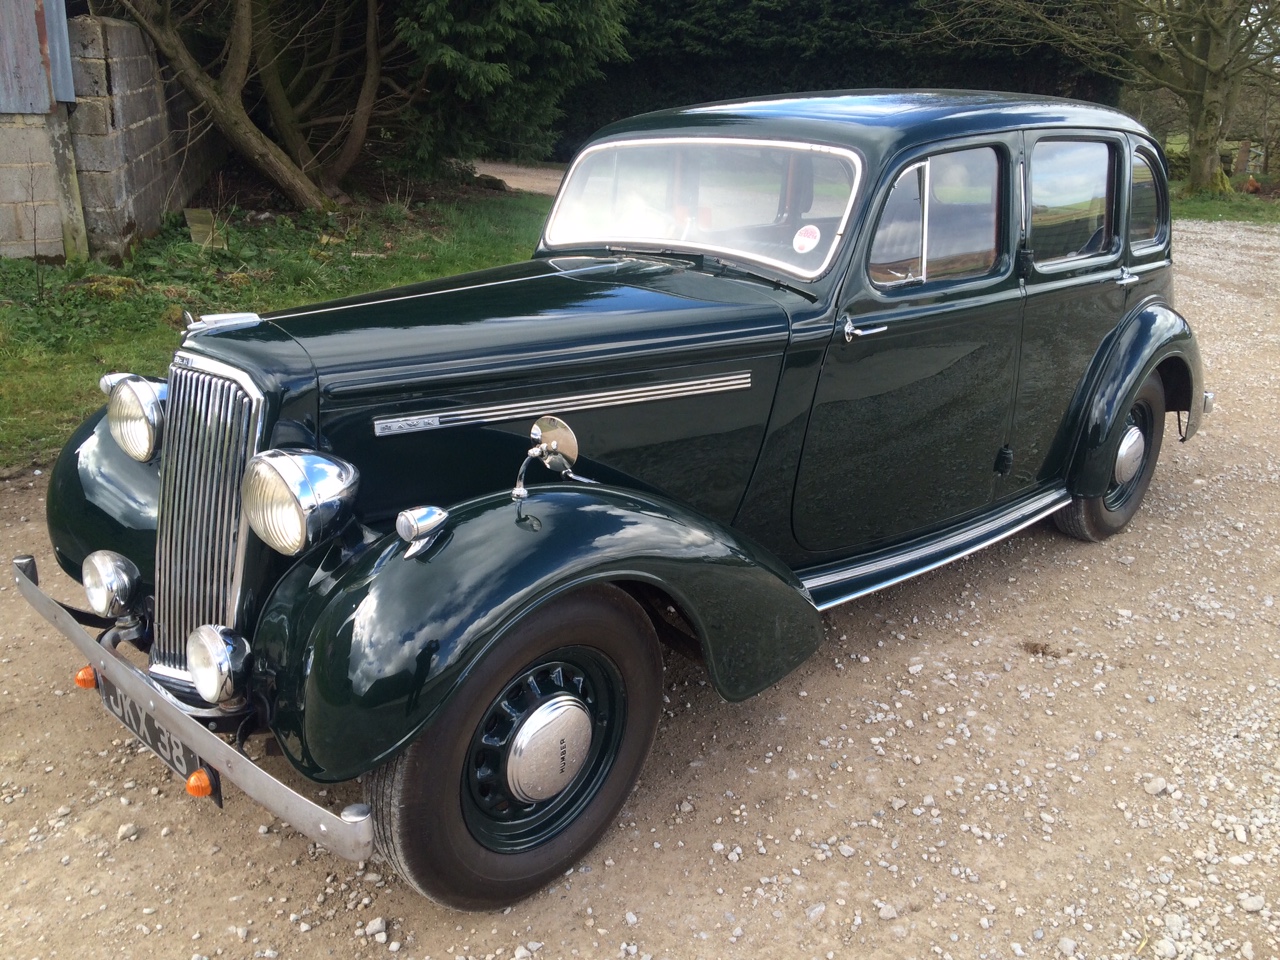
x=110 y=582
x=292 y=498
x=136 y=418
x=216 y=658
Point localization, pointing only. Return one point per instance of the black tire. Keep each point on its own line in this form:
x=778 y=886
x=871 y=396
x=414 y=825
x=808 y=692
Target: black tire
x=1096 y=518
x=450 y=827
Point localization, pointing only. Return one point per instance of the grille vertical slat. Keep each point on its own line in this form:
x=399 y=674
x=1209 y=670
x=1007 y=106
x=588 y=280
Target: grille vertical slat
x=212 y=425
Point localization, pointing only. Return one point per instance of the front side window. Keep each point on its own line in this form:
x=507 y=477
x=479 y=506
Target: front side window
x=941 y=220
x=781 y=204
x=1072 y=211
x=1146 y=203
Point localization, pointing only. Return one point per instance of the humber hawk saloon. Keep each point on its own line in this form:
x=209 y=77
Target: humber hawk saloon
x=768 y=356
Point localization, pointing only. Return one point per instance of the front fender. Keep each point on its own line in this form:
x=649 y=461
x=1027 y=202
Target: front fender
x=358 y=648
x=1154 y=337
x=101 y=498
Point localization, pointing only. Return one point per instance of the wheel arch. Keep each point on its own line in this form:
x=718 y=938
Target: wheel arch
x=358 y=647
x=1154 y=338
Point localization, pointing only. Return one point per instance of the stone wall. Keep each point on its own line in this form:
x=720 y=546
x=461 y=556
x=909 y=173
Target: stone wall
x=30 y=215
x=129 y=131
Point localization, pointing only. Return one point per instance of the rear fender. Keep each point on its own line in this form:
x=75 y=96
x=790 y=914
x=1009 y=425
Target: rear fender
x=358 y=647
x=1155 y=337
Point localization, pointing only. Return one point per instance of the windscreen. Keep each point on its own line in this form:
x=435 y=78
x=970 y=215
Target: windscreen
x=785 y=205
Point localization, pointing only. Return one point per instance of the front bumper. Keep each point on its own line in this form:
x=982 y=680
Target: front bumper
x=349 y=834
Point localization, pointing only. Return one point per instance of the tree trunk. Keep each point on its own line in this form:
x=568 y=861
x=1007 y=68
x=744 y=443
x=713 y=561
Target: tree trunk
x=254 y=145
x=282 y=113
x=222 y=98
x=339 y=166
x=1205 y=117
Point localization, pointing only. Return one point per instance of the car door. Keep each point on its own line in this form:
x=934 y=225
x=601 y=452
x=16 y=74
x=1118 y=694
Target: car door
x=1072 y=264
x=912 y=405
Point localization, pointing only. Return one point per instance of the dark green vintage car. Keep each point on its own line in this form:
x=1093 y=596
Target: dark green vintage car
x=768 y=357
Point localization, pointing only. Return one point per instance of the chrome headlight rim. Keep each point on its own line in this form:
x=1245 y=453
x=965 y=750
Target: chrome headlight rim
x=110 y=582
x=293 y=498
x=135 y=417
x=216 y=659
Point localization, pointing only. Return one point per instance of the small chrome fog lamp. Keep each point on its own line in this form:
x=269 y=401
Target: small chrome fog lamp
x=110 y=583
x=216 y=658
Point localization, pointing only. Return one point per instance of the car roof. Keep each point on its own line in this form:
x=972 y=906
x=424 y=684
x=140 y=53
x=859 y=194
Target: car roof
x=873 y=121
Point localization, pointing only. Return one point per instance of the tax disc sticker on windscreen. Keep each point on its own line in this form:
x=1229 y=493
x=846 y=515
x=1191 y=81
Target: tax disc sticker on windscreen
x=806 y=239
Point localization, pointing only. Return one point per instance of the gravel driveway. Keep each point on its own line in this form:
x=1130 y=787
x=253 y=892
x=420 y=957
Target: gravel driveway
x=1050 y=749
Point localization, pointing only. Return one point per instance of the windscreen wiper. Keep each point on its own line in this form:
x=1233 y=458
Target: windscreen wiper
x=728 y=269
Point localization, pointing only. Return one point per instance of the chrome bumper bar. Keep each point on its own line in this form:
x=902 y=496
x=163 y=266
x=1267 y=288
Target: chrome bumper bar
x=349 y=834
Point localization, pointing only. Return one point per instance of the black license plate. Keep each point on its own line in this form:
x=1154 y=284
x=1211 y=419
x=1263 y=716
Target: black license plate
x=180 y=758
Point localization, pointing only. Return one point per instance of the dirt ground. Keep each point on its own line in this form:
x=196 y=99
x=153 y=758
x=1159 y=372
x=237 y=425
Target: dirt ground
x=534 y=179
x=1050 y=749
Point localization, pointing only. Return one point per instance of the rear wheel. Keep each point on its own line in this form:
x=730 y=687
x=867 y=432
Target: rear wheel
x=1134 y=464
x=531 y=758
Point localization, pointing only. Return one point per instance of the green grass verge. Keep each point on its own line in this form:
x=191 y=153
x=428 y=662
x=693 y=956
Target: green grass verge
x=61 y=328
x=1239 y=206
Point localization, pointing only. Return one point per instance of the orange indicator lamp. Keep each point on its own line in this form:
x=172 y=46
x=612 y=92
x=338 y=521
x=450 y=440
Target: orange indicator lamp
x=199 y=784
x=87 y=678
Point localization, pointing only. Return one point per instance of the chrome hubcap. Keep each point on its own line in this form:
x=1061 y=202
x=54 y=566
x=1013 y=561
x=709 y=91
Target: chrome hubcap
x=1133 y=447
x=549 y=749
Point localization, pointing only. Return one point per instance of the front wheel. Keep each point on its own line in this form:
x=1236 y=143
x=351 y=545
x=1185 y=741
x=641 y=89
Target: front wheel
x=1138 y=447
x=531 y=758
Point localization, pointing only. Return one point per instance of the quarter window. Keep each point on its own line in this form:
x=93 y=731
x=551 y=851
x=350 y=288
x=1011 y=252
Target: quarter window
x=1071 y=207
x=941 y=220
x=1145 y=207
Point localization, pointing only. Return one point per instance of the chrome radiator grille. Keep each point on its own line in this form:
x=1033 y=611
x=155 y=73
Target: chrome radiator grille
x=213 y=425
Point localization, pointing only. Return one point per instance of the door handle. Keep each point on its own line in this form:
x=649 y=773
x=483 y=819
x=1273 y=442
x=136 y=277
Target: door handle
x=850 y=331
x=1127 y=279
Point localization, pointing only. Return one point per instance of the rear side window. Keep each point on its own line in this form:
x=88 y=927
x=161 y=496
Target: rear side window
x=1072 y=209
x=941 y=220
x=1146 y=202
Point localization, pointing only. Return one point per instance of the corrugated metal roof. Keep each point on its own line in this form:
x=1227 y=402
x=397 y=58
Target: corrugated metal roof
x=55 y=20
x=35 y=56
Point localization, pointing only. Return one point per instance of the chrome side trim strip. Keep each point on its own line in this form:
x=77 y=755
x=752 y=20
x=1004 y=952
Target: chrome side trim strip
x=498 y=412
x=349 y=835
x=954 y=547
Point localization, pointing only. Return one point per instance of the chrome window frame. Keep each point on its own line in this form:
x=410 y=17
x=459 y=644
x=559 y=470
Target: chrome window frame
x=1163 y=217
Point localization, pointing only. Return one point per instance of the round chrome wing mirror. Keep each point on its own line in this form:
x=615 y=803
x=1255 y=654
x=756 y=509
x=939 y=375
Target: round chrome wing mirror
x=554 y=444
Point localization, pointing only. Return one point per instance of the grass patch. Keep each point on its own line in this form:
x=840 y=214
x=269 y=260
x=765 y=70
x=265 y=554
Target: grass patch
x=61 y=328
x=1239 y=206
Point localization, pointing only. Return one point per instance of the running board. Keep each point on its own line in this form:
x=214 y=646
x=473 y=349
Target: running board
x=835 y=584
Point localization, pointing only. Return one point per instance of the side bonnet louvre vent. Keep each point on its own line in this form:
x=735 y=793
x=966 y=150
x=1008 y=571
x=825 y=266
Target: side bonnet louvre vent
x=213 y=425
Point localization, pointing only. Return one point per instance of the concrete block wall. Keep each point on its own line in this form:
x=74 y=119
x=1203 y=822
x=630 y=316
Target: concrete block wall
x=129 y=135
x=30 y=216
